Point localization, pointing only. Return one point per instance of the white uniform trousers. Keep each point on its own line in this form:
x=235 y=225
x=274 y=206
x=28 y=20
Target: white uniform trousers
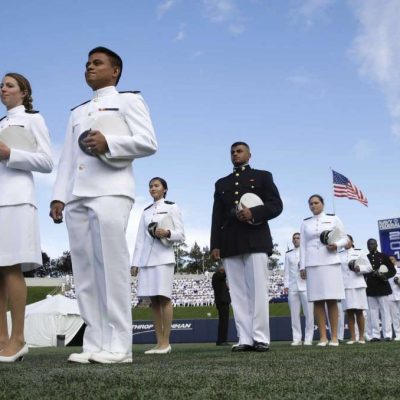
x=395 y=316
x=248 y=286
x=376 y=304
x=298 y=300
x=101 y=266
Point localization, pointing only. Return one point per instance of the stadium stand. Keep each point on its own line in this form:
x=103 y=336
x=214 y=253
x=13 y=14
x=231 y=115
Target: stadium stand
x=194 y=290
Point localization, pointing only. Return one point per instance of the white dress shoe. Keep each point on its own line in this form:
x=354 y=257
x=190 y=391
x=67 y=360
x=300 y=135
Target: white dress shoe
x=151 y=351
x=307 y=343
x=350 y=342
x=333 y=344
x=322 y=344
x=296 y=343
x=18 y=356
x=106 y=357
x=80 y=358
x=361 y=341
x=167 y=350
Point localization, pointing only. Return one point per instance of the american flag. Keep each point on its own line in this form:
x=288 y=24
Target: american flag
x=342 y=187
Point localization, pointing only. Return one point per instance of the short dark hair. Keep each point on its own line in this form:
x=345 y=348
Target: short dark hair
x=240 y=144
x=163 y=183
x=294 y=234
x=115 y=59
x=318 y=197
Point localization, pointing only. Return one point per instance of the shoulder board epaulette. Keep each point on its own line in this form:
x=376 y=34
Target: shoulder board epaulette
x=131 y=91
x=168 y=202
x=332 y=215
x=31 y=111
x=305 y=219
x=289 y=250
x=3 y=118
x=148 y=207
x=358 y=249
x=72 y=109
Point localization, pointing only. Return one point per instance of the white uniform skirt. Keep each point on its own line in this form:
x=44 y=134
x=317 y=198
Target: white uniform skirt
x=20 y=240
x=325 y=282
x=156 y=280
x=356 y=299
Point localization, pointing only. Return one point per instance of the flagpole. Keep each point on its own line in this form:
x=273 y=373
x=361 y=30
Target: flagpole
x=333 y=192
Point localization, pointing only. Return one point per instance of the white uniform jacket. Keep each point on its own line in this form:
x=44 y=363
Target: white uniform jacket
x=81 y=175
x=312 y=251
x=292 y=279
x=395 y=287
x=16 y=177
x=351 y=279
x=150 y=251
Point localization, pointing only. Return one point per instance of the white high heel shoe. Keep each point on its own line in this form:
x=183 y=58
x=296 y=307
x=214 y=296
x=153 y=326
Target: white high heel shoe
x=18 y=356
x=151 y=351
x=167 y=350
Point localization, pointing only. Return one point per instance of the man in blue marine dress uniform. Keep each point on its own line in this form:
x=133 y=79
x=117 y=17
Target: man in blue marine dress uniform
x=242 y=239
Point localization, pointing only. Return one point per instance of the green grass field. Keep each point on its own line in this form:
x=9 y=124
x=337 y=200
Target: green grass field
x=204 y=371
x=37 y=293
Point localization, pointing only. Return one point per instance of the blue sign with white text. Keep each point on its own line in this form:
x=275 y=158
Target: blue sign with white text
x=389 y=234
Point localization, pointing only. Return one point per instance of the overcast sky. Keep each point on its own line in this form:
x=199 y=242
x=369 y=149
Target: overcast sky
x=309 y=84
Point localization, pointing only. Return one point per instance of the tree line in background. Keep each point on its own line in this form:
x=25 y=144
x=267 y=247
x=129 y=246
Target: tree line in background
x=195 y=260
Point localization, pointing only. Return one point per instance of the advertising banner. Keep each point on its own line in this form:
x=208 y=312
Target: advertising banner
x=389 y=235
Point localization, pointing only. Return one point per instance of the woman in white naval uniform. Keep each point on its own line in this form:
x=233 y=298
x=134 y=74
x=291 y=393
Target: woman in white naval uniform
x=394 y=300
x=296 y=288
x=156 y=261
x=19 y=227
x=355 y=263
x=322 y=265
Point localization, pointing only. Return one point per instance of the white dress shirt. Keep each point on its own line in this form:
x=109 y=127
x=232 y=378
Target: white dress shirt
x=351 y=279
x=150 y=251
x=292 y=279
x=395 y=287
x=80 y=175
x=17 y=186
x=312 y=251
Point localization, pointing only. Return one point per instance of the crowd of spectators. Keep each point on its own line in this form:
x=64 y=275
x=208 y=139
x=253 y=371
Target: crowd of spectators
x=193 y=290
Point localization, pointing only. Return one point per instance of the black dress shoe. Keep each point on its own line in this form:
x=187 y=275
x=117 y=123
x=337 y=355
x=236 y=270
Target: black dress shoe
x=238 y=348
x=387 y=339
x=222 y=344
x=261 y=347
x=375 y=340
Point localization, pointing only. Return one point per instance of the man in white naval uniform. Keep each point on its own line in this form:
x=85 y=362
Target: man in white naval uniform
x=296 y=288
x=98 y=199
x=394 y=299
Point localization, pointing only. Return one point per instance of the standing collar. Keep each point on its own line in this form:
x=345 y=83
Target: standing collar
x=16 y=110
x=320 y=215
x=106 y=91
x=241 y=168
x=159 y=201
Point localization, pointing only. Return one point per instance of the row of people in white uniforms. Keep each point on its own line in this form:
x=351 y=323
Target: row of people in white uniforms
x=355 y=302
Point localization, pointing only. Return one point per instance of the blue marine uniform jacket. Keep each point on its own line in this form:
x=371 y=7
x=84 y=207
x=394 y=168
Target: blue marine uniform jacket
x=375 y=285
x=232 y=236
